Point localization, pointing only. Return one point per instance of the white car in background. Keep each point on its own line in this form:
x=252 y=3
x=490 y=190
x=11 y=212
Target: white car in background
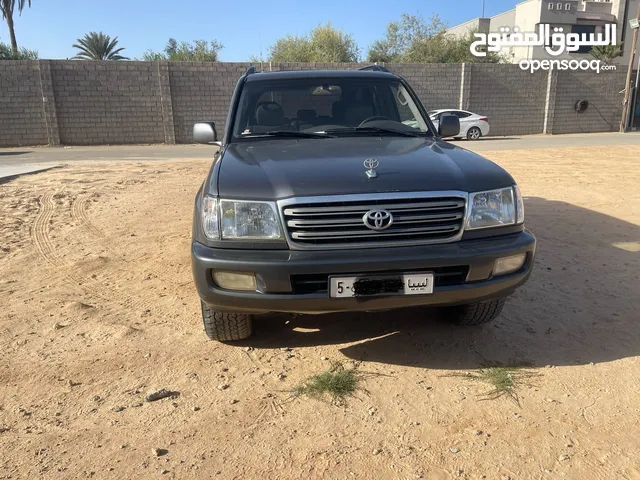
x=472 y=125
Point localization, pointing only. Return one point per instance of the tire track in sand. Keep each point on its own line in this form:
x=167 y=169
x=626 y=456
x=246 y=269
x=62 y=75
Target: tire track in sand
x=41 y=239
x=40 y=229
x=80 y=215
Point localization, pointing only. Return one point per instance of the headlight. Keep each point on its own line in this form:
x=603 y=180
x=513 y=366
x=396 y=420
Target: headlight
x=246 y=220
x=494 y=208
x=209 y=212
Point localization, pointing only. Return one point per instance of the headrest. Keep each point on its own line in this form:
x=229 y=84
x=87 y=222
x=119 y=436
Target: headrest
x=270 y=114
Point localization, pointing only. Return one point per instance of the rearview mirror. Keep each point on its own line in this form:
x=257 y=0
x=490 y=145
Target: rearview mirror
x=449 y=126
x=205 y=132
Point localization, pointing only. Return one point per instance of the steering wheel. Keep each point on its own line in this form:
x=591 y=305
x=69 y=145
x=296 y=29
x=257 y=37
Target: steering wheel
x=371 y=119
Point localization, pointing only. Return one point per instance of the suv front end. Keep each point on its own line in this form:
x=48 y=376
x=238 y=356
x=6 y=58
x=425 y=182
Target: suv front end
x=288 y=225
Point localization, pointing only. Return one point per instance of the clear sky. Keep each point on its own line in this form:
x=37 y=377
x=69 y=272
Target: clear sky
x=243 y=27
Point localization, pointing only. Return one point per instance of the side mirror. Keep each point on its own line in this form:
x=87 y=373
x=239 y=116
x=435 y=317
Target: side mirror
x=449 y=126
x=205 y=132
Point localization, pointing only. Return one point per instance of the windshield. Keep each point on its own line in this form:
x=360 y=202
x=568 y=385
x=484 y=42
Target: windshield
x=335 y=106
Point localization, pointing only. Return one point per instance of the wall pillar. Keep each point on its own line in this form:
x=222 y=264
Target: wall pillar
x=49 y=102
x=465 y=87
x=550 y=102
x=164 y=87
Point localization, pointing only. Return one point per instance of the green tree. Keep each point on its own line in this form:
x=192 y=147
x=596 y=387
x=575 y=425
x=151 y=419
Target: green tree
x=198 y=51
x=98 y=46
x=414 y=40
x=323 y=44
x=8 y=8
x=331 y=45
x=6 y=53
x=402 y=35
x=606 y=53
x=291 y=49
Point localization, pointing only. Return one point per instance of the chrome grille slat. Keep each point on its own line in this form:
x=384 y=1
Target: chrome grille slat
x=342 y=209
x=357 y=221
x=372 y=233
x=336 y=222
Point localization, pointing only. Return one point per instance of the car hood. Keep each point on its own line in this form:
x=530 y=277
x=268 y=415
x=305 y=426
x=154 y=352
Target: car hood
x=280 y=168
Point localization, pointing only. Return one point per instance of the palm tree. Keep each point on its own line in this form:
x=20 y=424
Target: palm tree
x=8 y=8
x=606 y=53
x=98 y=46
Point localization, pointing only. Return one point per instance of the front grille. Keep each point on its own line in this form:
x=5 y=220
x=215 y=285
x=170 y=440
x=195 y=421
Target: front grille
x=339 y=224
x=319 y=283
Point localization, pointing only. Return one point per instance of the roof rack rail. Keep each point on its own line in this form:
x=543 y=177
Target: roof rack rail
x=251 y=70
x=375 y=68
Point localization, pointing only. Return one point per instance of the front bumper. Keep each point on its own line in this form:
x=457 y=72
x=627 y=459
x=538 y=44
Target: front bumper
x=274 y=270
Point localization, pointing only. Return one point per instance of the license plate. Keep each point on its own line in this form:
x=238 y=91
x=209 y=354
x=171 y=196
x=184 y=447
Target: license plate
x=379 y=285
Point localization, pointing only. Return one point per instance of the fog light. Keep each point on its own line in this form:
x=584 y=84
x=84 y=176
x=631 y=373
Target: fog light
x=509 y=264
x=235 y=280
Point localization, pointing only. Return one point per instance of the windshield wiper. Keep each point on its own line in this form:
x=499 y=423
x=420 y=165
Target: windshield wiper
x=375 y=130
x=286 y=133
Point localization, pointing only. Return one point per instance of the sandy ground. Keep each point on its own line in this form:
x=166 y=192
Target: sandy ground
x=98 y=309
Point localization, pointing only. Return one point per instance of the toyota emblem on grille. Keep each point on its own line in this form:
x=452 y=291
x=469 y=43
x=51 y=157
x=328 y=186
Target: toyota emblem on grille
x=377 y=219
x=371 y=164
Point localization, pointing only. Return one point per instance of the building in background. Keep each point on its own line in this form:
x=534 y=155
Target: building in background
x=574 y=16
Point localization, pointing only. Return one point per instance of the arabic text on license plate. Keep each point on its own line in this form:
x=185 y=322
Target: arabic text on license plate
x=413 y=284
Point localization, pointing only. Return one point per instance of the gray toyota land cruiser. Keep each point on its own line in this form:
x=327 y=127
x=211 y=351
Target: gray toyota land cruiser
x=332 y=191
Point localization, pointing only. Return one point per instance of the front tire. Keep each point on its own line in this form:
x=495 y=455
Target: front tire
x=474 y=133
x=226 y=327
x=476 y=313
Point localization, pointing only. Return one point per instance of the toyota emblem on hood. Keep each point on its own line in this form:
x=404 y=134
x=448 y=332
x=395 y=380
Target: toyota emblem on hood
x=371 y=164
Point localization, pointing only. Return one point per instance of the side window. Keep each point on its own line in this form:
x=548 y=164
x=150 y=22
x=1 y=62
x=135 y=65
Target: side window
x=461 y=114
x=385 y=102
x=406 y=115
x=407 y=110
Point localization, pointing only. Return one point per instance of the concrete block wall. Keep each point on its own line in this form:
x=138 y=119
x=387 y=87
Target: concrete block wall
x=22 y=119
x=602 y=93
x=437 y=85
x=512 y=99
x=202 y=91
x=107 y=102
x=90 y=103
